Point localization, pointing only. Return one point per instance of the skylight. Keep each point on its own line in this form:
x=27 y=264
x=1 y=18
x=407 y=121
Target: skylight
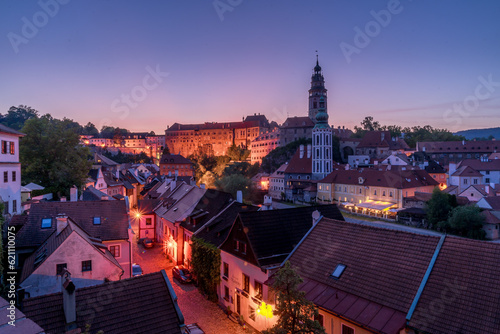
x=97 y=220
x=46 y=222
x=338 y=271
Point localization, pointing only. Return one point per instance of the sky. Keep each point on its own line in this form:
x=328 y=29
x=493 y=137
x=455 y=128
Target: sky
x=144 y=65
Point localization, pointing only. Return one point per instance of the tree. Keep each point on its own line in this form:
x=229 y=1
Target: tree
x=51 y=155
x=206 y=266
x=17 y=116
x=90 y=129
x=237 y=153
x=438 y=207
x=295 y=313
x=280 y=155
x=466 y=221
x=234 y=182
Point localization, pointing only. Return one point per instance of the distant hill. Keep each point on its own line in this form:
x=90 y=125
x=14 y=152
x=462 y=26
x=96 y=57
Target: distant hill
x=480 y=133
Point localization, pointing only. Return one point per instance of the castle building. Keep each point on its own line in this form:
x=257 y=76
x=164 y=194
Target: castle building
x=322 y=144
x=214 y=138
x=295 y=128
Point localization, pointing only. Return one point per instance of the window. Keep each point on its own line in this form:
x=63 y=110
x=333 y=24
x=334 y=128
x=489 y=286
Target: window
x=14 y=205
x=226 y=269
x=319 y=318
x=60 y=267
x=347 y=329
x=115 y=250
x=149 y=221
x=14 y=176
x=258 y=290
x=390 y=194
x=375 y=192
x=5 y=177
x=465 y=181
x=11 y=147
x=246 y=283
x=383 y=193
x=87 y=265
x=475 y=181
x=226 y=293
x=487 y=172
x=4 y=147
x=251 y=313
x=46 y=222
x=338 y=270
x=97 y=220
x=487 y=180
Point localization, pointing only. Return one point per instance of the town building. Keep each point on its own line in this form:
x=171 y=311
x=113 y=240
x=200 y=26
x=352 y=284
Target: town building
x=214 y=138
x=463 y=177
x=378 y=144
x=277 y=183
x=73 y=249
x=489 y=168
x=146 y=303
x=299 y=185
x=104 y=220
x=263 y=144
x=10 y=167
x=374 y=191
x=370 y=279
x=176 y=165
x=255 y=247
x=446 y=152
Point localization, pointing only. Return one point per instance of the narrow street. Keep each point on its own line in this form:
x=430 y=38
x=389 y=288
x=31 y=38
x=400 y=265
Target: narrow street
x=195 y=308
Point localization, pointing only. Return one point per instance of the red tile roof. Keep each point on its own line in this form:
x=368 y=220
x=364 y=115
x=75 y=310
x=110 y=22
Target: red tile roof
x=492 y=165
x=382 y=139
x=300 y=165
x=462 y=294
x=494 y=202
x=213 y=125
x=114 y=220
x=466 y=171
x=298 y=122
x=22 y=325
x=458 y=146
x=174 y=159
x=394 y=178
x=143 y=304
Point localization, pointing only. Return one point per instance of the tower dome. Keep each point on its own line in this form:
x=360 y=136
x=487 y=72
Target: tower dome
x=321 y=116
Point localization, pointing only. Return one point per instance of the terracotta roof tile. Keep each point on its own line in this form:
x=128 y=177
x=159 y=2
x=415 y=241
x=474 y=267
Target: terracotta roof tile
x=142 y=304
x=300 y=165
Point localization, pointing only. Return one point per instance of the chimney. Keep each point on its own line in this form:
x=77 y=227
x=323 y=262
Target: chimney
x=316 y=216
x=347 y=167
x=382 y=136
x=62 y=222
x=202 y=186
x=309 y=150
x=69 y=300
x=487 y=190
x=301 y=151
x=452 y=167
x=117 y=174
x=173 y=184
x=63 y=199
x=104 y=198
x=239 y=196
x=73 y=194
x=463 y=142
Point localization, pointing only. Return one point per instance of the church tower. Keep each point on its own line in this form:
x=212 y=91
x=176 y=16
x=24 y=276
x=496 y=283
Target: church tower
x=317 y=91
x=322 y=161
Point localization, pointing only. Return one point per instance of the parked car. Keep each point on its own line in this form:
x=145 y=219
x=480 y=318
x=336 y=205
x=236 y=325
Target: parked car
x=182 y=274
x=194 y=329
x=136 y=270
x=147 y=243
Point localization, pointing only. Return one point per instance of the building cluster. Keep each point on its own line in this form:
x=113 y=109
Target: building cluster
x=131 y=143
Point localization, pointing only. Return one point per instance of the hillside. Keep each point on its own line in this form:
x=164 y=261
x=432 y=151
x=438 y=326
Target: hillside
x=480 y=133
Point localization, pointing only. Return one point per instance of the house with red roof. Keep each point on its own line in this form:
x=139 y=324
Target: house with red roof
x=374 y=191
x=298 y=176
x=70 y=248
x=370 y=279
x=378 y=144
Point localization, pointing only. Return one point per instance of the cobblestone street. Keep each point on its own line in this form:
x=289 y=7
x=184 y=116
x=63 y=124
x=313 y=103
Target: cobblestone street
x=195 y=308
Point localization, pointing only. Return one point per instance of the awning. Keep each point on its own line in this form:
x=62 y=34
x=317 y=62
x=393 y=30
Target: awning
x=376 y=205
x=347 y=204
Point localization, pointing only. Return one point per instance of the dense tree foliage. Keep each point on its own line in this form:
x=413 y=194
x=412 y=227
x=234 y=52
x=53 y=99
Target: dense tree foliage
x=90 y=129
x=234 y=182
x=17 y=116
x=466 y=221
x=51 y=154
x=412 y=135
x=237 y=153
x=439 y=207
x=206 y=263
x=295 y=313
x=122 y=158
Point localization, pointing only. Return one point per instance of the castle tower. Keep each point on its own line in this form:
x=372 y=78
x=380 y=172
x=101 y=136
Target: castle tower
x=322 y=161
x=317 y=91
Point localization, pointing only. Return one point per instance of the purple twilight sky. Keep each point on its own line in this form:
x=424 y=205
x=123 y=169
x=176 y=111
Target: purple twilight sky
x=144 y=65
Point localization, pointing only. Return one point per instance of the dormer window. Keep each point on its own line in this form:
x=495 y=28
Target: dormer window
x=338 y=271
x=46 y=222
x=97 y=220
